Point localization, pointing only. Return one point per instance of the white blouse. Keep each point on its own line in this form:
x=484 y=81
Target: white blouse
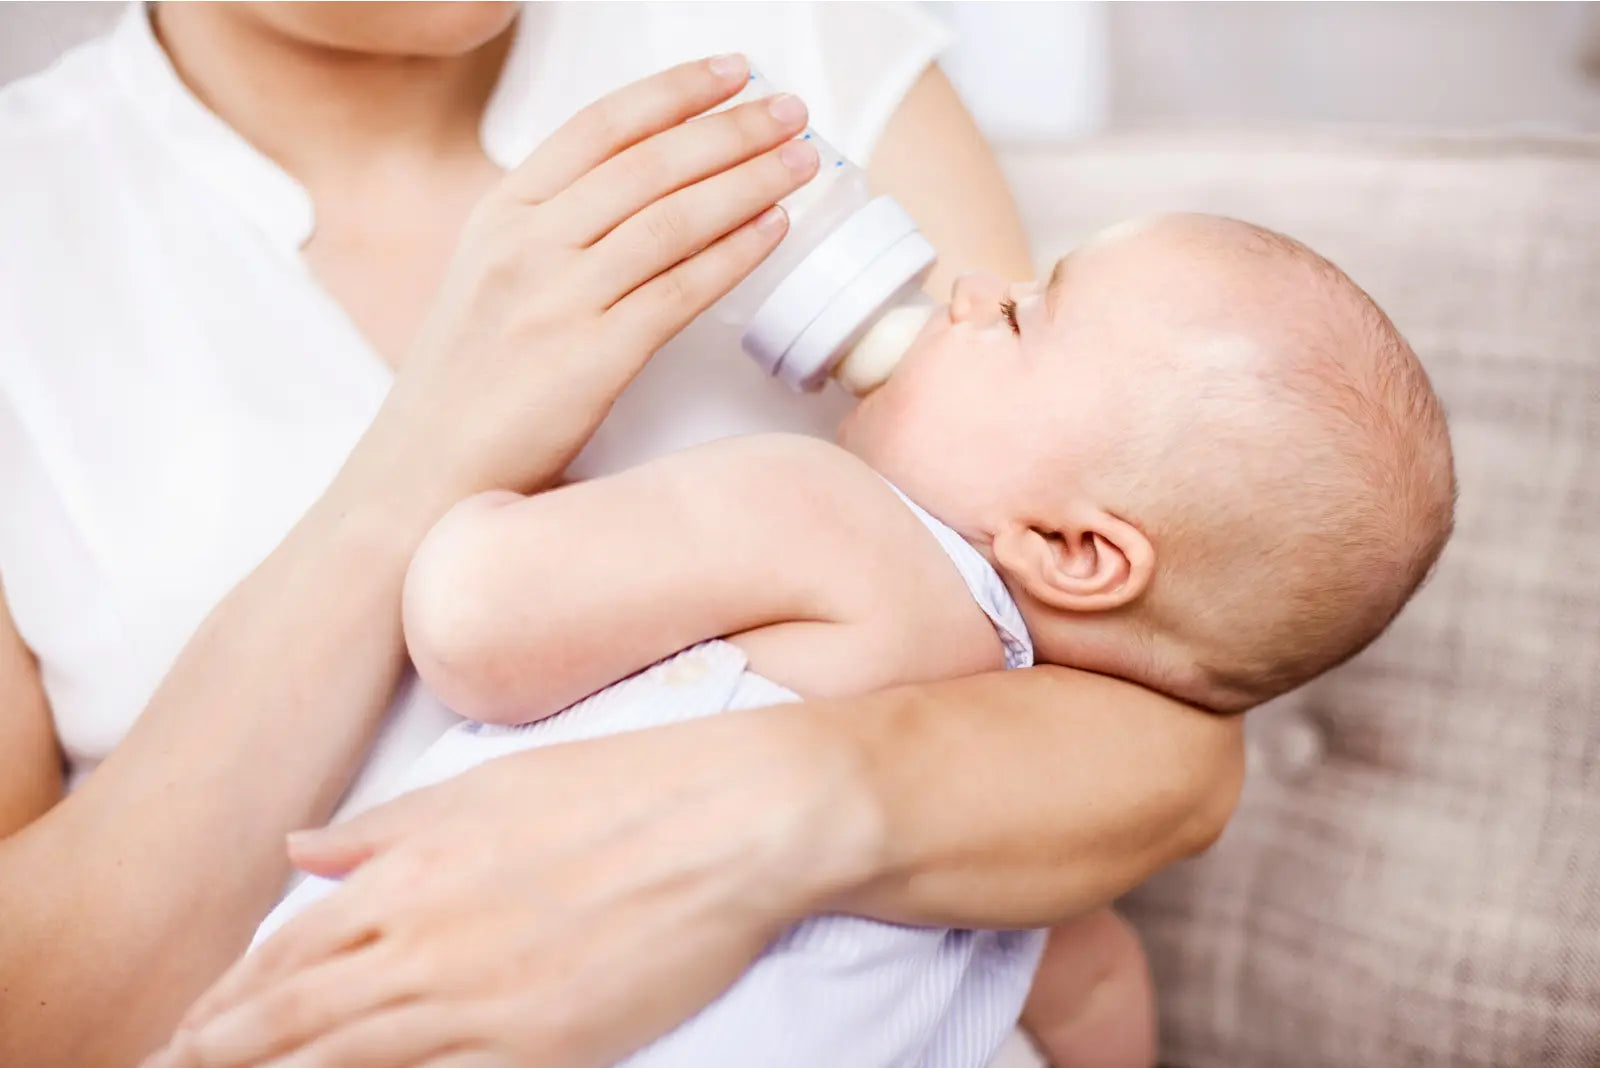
x=176 y=388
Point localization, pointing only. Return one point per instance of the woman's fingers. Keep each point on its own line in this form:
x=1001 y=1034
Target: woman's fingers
x=400 y=1037
x=672 y=160
x=330 y=852
x=326 y=928
x=526 y=301
x=625 y=118
x=472 y=1059
x=647 y=318
x=334 y=850
x=690 y=220
x=305 y=1006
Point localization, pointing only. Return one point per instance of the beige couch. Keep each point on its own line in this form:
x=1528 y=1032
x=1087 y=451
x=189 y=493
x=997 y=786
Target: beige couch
x=1413 y=876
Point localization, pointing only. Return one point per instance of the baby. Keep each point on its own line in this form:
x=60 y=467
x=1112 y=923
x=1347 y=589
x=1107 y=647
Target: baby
x=1198 y=457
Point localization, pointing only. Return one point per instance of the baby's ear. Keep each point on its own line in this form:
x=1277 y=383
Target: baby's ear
x=1094 y=563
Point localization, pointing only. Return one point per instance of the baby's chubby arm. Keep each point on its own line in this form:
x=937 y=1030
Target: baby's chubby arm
x=516 y=607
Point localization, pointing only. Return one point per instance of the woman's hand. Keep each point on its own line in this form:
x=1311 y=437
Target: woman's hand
x=565 y=906
x=607 y=241
x=560 y=907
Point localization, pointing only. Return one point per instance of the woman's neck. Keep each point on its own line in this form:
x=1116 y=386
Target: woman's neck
x=322 y=114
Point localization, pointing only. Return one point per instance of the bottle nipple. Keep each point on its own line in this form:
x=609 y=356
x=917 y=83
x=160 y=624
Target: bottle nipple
x=871 y=360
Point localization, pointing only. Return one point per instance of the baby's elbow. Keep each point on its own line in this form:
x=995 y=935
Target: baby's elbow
x=448 y=613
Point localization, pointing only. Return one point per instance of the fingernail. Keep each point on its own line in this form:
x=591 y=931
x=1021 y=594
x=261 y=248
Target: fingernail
x=772 y=219
x=787 y=109
x=728 y=66
x=798 y=156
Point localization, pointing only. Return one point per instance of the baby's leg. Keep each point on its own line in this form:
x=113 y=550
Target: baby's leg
x=1092 y=1004
x=844 y=992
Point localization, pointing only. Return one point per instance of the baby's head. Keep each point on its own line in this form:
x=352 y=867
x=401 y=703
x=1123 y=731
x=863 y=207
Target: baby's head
x=1201 y=456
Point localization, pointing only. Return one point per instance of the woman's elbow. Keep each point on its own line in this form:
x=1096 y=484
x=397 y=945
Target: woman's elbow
x=450 y=611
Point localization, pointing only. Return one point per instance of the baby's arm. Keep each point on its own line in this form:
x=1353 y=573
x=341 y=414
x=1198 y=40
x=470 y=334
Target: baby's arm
x=517 y=607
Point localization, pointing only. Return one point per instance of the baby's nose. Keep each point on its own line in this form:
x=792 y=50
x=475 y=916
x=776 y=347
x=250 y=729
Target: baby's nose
x=975 y=297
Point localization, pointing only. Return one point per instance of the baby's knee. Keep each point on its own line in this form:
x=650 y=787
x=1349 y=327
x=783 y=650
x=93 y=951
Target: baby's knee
x=1101 y=942
x=1092 y=1003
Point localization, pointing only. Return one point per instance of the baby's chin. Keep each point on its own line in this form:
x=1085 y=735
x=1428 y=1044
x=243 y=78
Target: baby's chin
x=885 y=436
x=867 y=430
x=848 y=434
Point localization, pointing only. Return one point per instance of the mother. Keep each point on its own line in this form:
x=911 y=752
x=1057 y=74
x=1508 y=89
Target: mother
x=239 y=383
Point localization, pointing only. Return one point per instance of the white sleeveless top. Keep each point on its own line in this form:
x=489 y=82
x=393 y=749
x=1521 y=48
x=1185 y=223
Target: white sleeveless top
x=175 y=387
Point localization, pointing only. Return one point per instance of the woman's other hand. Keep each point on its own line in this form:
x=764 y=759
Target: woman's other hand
x=567 y=905
x=507 y=916
x=620 y=229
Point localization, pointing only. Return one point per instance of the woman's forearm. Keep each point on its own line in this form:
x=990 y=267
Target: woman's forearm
x=125 y=900
x=1020 y=798
x=1011 y=800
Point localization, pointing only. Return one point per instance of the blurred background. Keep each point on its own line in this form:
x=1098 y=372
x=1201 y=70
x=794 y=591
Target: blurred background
x=1049 y=70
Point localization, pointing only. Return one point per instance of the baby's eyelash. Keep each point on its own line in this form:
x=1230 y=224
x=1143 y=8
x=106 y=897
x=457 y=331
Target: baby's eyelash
x=1008 y=309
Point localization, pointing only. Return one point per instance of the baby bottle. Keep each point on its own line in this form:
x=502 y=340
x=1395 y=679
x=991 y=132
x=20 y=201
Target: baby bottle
x=841 y=295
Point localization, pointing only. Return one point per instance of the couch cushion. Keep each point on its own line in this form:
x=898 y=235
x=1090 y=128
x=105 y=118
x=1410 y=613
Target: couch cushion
x=1413 y=876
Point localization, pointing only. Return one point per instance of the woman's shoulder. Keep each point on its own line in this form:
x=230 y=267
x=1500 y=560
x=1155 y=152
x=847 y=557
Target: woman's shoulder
x=852 y=63
x=79 y=167
x=55 y=111
x=64 y=138
x=873 y=53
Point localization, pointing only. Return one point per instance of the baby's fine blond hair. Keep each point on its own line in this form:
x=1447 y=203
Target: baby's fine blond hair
x=1334 y=491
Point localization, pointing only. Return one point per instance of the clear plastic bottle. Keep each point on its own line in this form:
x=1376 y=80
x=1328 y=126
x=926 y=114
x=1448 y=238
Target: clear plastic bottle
x=842 y=293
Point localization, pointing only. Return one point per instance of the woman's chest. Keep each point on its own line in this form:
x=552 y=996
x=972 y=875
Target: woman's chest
x=381 y=250
x=167 y=422
x=169 y=416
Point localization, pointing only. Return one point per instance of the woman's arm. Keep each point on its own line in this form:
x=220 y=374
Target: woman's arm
x=1013 y=799
x=129 y=895
x=121 y=902
x=1021 y=798
x=933 y=159
x=33 y=779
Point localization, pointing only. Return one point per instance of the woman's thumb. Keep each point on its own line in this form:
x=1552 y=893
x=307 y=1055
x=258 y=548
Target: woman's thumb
x=338 y=849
